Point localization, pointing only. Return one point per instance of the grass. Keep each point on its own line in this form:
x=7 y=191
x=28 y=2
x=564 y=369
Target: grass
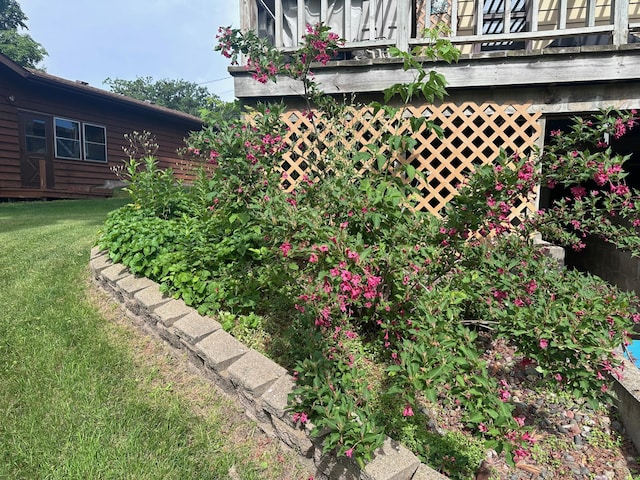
x=83 y=395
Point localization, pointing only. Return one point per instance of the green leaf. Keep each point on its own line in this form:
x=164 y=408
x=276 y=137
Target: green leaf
x=411 y=172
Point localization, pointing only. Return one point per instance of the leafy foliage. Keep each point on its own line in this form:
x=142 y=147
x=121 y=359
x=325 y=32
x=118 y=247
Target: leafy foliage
x=19 y=47
x=11 y=15
x=181 y=95
x=394 y=305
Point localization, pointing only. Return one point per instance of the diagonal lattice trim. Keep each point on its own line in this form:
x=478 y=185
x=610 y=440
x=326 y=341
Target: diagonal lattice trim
x=474 y=134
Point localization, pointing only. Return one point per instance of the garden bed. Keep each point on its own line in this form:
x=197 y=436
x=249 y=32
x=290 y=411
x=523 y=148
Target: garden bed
x=571 y=439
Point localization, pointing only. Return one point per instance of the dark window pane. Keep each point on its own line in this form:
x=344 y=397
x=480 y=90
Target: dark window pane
x=94 y=134
x=35 y=128
x=36 y=144
x=67 y=129
x=67 y=148
x=95 y=151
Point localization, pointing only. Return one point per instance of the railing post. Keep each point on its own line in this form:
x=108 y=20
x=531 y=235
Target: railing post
x=302 y=24
x=562 y=15
x=479 y=17
x=278 y=23
x=403 y=24
x=248 y=15
x=620 y=22
x=454 y=18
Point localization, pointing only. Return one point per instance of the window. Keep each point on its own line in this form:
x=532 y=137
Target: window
x=67 y=135
x=95 y=143
x=35 y=135
x=75 y=143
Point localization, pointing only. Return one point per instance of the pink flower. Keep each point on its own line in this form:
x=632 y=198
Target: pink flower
x=408 y=411
x=619 y=189
x=578 y=192
x=544 y=343
x=483 y=428
x=601 y=178
x=558 y=377
x=285 y=248
x=349 y=453
x=519 y=454
x=519 y=421
x=300 y=417
x=313 y=258
x=504 y=395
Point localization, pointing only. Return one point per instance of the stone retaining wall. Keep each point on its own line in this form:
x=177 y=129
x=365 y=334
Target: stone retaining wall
x=257 y=383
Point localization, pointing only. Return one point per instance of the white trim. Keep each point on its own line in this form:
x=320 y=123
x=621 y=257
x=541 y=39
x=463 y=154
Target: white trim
x=85 y=141
x=55 y=138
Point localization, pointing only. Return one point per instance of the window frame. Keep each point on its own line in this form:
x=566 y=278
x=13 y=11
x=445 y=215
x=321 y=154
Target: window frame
x=56 y=137
x=82 y=141
x=85 y=141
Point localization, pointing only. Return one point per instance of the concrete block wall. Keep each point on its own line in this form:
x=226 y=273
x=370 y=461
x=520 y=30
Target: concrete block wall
x=258 y=384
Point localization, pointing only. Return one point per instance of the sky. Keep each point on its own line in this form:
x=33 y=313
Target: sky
x=91 y=40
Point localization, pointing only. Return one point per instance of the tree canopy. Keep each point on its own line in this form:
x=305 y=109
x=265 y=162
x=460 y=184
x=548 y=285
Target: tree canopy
x=179 y=95
x=19 y=47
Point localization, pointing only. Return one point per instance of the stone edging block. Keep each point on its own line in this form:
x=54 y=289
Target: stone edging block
x=171 y=311
x=194 y=327
x=131 y=284
x=259 y=384
x=219 y=350
x=254 y=373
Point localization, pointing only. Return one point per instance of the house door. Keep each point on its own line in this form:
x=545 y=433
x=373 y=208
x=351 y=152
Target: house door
x=36 y=151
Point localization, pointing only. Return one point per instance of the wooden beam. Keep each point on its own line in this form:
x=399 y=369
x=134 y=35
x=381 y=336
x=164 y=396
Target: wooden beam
x=533 y=14
x=347 y=35
x=454 y=17
x=248 y=15
x=278 y=23
x=301 y=22
x=620 y=22
x=562 y=15
x=590 y=21
x=541 y=69
x=479 y=17
x=524 y=35
x=506 y=23
x=372 y=19
x=403 y=19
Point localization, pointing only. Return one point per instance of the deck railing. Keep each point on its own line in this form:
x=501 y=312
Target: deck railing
x=476 y=25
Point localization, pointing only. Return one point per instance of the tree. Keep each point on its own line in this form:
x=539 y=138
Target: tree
x=19 y=47
x=179 y=95
x=11 y=15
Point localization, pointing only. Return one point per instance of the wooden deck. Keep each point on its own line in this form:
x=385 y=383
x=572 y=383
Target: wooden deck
x=475 y=24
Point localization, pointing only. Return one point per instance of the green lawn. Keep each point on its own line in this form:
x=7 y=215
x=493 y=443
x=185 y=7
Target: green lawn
x=77 y=401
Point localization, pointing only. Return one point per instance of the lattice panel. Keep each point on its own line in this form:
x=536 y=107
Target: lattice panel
x=473 y=136
x=438 y=15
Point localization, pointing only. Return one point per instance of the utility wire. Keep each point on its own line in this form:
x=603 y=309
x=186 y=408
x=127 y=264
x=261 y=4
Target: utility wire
x=215 y=80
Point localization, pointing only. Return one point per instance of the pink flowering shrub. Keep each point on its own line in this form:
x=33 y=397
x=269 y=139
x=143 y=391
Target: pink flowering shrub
x=383 y=312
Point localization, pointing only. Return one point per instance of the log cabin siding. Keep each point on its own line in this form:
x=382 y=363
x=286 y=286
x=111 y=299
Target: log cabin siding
x=36 y=93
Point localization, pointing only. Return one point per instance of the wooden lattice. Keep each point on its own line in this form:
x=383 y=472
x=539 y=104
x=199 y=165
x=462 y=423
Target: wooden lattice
x=473 y=136
x=439 y=16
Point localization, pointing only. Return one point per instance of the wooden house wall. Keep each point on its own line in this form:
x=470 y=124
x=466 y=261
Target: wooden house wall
x=76 y=175
x=9 y=146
